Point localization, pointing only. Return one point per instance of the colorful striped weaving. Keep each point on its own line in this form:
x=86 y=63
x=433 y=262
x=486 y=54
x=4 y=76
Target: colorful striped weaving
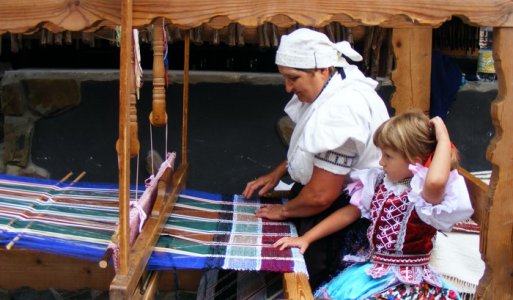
x=204 y=231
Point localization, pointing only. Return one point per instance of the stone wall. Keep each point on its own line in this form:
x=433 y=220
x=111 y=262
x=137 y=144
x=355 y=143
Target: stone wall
x=23 y=103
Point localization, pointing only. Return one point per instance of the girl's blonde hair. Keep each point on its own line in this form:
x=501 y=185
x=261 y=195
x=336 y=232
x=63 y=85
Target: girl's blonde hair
x=411 y=135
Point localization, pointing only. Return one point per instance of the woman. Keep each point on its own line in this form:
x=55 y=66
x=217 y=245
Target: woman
x=336 y=110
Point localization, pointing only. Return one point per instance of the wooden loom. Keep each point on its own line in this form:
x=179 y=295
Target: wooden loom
x=412 y=24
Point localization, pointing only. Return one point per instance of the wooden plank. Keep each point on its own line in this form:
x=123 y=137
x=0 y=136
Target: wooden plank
x=41 y=271
x=478 y=191
x=181 y=280
x=496 y=231
x=412 y=76
x=27 y=268
x=296 y=286
x=62 y=15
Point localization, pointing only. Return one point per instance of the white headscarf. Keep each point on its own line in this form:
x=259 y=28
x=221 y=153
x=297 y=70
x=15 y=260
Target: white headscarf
x=308 y=49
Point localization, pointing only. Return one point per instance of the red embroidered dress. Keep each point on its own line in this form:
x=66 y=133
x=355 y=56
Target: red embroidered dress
x=400 y=241
x=401 y=236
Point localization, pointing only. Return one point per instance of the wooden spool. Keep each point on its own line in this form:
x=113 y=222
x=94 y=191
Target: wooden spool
x=132 y=111
x=158 y=115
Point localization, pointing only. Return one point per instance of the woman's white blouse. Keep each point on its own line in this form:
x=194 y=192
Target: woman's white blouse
x=342 y=119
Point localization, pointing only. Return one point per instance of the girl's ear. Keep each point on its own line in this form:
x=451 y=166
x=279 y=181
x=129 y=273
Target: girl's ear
x=417 y=160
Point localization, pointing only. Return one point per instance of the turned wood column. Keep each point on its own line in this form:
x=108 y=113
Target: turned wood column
x=134 y=131
x=158 y=115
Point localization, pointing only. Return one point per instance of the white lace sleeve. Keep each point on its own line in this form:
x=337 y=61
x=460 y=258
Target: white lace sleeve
x=455 y=207
x=361 y=189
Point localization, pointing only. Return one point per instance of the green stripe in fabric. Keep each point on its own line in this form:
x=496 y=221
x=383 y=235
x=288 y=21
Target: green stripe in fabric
x=25 y=188
x=6 y=220
x=185 y=245
x=48 y=229
x=77 y=211
x=203 y=205
x=20 y=202
x=203 y=226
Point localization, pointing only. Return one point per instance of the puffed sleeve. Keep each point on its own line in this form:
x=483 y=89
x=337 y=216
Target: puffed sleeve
x=361 y=189
x=337 y=122
x=455 y=207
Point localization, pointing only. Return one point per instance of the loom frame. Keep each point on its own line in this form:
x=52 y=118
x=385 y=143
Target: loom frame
x=412 y=24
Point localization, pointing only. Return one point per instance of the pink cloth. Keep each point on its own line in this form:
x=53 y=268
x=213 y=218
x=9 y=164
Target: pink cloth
x=139 y=208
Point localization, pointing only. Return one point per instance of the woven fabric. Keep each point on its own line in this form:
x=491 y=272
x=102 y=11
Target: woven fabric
x=457 y=258
x=204 y=231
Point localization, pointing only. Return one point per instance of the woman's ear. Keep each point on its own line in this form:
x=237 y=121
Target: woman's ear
x=325 y=73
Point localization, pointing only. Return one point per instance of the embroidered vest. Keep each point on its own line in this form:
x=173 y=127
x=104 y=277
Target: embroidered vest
x=400 y=241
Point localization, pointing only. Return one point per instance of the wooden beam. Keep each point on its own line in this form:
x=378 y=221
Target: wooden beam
x=123 y=143
x=412 y=75
x=40 y=271
x=29 y=268
x=60 y=15
x=497 y=228
x=296 y=286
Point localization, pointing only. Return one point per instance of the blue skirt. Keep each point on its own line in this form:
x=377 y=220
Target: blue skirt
x=354 y=283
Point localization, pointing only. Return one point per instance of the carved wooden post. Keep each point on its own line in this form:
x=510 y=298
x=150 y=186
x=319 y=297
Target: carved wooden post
x=134 y=131
x=412 y=75
x=124 y=138
x=158 y=115
x=497 y=226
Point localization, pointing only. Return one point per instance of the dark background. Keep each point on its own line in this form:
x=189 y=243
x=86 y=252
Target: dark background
x=232 y=127
x=232 y=133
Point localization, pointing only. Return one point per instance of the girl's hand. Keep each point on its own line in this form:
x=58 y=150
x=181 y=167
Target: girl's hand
x=438 y=173
x=288 y=242
x=441 y=132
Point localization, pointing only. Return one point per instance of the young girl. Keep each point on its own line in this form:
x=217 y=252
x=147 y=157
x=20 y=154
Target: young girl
x=416 y=192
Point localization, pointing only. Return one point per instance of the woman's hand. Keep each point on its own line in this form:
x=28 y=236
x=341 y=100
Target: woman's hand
x=265 y=183
x=271 y=212
x=288 y=242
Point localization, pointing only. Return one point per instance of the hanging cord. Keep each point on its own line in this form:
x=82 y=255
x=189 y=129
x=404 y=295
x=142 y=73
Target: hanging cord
x=152 y=163
x=138 y=71
x=137 y=179
x=176 y=282
x=151 y=149
x=166 y=60
x=167 y=134
x=118 y=35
